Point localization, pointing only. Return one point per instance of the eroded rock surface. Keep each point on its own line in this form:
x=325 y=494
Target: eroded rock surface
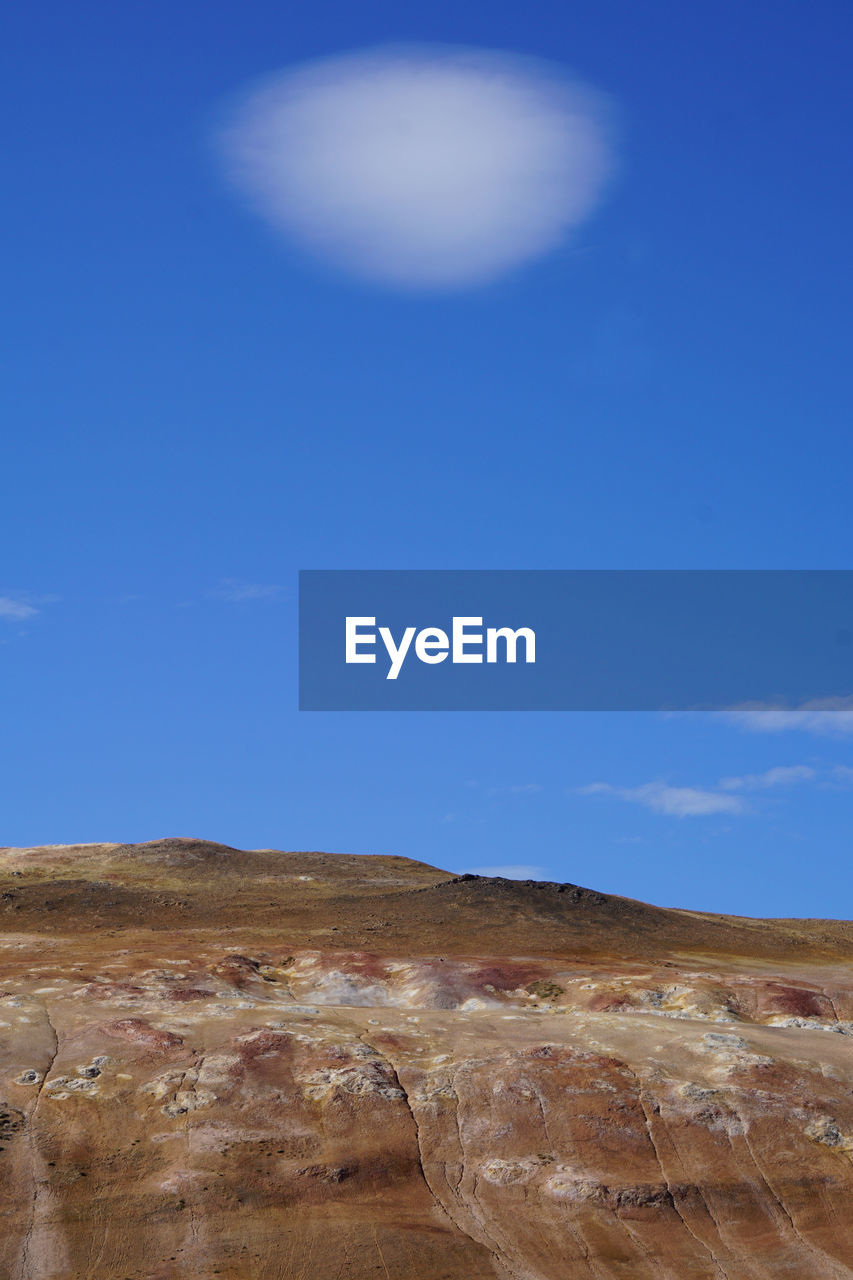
x=260 y=1065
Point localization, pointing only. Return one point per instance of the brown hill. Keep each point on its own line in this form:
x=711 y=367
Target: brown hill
x=255 y=1064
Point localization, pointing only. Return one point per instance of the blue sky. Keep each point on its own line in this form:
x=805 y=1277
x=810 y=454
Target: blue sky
x=194 y=409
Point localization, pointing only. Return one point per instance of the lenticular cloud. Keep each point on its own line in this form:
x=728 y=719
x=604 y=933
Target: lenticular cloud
x=421 y=168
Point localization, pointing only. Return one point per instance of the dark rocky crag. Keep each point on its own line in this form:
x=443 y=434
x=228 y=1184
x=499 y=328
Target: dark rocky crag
x=258 y=1065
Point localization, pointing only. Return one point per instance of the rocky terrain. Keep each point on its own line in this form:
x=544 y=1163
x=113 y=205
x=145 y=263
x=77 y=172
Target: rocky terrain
x=301 y=1066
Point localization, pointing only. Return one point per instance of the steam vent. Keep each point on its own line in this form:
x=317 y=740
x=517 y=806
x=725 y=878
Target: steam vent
x=257 y=1065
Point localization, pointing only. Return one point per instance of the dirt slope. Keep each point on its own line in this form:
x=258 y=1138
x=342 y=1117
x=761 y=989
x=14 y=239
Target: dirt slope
x=258 y=1065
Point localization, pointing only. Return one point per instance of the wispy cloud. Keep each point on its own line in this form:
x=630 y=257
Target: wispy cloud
x=825 y=717
x=781 y=776
x=693 y=802
x=12 y=610
x=422 y=166
x=509 y=871
x=233 y=591
x=678 y=802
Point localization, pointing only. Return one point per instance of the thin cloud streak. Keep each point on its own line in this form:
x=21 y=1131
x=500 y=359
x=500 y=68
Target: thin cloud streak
x=824 y=717
x=515 y=789
x=233 y=591
x=781 y=776
x=12 y=610
x=421 y=167
x=693 y=802
x=678 y=802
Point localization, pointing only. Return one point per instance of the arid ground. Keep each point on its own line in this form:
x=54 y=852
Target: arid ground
x=258 y=1065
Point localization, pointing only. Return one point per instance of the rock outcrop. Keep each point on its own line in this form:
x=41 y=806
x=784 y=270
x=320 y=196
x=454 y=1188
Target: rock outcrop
x=298 y=1066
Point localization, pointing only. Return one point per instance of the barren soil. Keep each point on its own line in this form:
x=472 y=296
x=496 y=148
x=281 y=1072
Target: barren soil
x=259 y=1065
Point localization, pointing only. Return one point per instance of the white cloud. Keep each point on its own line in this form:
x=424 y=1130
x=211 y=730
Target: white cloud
x=509 y=871
x=826 y=717
x=683 y=802
x=842 y=773
x=781 y=776
x=678 y=802
x=690 y=802
x=422 y=167
x=16 y=610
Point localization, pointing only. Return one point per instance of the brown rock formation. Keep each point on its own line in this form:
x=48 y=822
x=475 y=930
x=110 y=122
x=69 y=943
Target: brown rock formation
x=298 y=1066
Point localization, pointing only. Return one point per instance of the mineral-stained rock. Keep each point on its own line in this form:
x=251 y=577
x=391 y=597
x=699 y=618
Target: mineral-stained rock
x=296 y=1066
